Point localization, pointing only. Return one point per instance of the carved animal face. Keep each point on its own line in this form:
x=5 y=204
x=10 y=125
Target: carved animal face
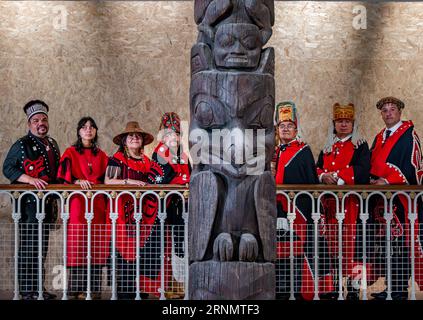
x=237 y=46
x=239 y=105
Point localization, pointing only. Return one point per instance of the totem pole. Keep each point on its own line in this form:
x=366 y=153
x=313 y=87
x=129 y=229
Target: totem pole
x=232 y=214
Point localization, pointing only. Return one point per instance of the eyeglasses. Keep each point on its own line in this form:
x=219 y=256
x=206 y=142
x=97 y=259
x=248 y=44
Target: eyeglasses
x=134 y=136
x=288 y=127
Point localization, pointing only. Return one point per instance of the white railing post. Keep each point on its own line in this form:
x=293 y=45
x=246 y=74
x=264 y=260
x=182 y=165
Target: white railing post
x=65 y=219
x=412 y=216
x=186 y=257
x=364 y=217
x=89 y=215
x=162 y=217
x=340 y=216
x=413 y=245
x=291 y=217
x=137 y=217
x=388 y=217
x=16 y=216
x=113 y=218
x=40 y=217
x=316 y=217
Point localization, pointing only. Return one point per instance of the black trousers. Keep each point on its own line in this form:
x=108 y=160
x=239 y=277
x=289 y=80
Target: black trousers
x=29 y=242
x=400 y=250
x=78 y=279
x=126 y=275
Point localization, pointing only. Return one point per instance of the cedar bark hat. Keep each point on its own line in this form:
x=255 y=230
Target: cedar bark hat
x=343 y=112
x=393 y=100
x=286 y=111
x=134 y=127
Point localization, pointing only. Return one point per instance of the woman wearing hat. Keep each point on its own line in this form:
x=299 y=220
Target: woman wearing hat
x=130 y=166
x=84 y=164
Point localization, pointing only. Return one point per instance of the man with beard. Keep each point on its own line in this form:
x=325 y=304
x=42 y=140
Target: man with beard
x=33 y=159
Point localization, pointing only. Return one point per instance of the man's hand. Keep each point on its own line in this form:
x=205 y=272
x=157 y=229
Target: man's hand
x=379 y=182
x=328 y=178
x=40 y=184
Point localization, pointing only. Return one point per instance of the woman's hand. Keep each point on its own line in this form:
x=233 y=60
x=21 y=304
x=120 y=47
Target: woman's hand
x=85 y=184
x=135 y=182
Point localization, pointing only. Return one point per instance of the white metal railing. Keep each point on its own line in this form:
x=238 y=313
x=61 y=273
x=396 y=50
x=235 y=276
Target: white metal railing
x=407 y=242
x=316 y=249
x=23 y=233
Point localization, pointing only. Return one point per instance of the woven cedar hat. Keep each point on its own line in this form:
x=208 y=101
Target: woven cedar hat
x=343 y=112
x=286 y=111
x=134 y=127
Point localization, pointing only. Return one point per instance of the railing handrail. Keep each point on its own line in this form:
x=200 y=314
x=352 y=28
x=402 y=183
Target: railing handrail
x=293 y=187
x=357 y=187
x=95 y=187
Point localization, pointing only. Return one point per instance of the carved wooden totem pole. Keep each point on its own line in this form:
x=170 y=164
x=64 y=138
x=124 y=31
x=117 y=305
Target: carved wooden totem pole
x=232 y=215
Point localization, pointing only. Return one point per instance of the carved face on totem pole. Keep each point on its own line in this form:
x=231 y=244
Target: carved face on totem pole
x=232 y=212
x=241 y=103
x=237 y=46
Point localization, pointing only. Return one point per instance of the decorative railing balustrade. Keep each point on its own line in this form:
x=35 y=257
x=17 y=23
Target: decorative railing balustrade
x=351 y=253
x=156 y=235
x=377 y=244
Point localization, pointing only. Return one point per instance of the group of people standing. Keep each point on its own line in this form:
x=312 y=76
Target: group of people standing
x=395 y=158
x=35 y=159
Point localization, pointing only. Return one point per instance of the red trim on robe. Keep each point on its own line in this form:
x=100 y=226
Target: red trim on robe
x=182 y=174
x=380 y=153
x=126 y=227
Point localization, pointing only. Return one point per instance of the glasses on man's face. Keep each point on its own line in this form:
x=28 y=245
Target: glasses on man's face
x=287 y=127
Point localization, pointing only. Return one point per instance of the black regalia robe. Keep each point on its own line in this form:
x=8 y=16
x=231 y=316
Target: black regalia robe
x=398 y=160
x=38 y=158
x=294 y=164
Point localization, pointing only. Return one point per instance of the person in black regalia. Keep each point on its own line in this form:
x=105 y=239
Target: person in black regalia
x=34 y=160
x=293 y=163
x=396 y=158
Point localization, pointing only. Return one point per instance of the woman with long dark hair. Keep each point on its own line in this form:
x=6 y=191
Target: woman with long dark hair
x=84 y=164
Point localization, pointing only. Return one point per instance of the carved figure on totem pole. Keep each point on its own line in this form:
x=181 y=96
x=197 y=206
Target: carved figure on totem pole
x=232 y=215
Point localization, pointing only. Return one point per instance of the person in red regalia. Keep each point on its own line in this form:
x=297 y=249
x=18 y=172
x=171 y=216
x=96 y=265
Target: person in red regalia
x=84 y=164
x=345 y=159
x=130 y=166
x=293 y=163
x=174 y=169
x=396 y=158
